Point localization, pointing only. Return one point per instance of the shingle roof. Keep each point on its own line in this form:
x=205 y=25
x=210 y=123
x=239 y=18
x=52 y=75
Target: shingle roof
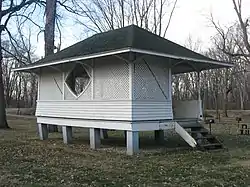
x=127 y=37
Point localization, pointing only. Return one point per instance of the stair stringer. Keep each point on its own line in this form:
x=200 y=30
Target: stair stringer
x=184 y=134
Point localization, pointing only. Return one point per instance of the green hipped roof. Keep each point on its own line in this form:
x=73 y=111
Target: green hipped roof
x=127 y=37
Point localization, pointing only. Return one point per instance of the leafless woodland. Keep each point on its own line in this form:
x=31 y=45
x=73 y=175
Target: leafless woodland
x=220 y=89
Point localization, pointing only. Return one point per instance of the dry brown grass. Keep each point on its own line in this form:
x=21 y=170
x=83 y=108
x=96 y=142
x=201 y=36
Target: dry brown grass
x=27 y=161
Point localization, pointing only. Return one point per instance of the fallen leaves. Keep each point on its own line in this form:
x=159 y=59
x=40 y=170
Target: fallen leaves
x=27 y=161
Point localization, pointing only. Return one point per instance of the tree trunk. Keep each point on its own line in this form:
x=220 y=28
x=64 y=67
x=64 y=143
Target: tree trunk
x=33 y=93
x=49 y=33
x=241 y=101
x=225 y=103
x=18 y=98
x=3 y=119
x=25 y=91
x=216 y=102
x=49 y=37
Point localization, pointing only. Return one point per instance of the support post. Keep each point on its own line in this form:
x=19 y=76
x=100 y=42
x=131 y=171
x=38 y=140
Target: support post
x=159 y=136
x=104 y=134
x=67 y=134
x=94 y=136
x=132 y=142
x=125 y=135
x=200 y=116
x=52 y=128
x=43 y=131
x=199 y=86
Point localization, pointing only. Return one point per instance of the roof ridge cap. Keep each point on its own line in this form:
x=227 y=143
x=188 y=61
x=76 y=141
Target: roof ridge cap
x=131 y=35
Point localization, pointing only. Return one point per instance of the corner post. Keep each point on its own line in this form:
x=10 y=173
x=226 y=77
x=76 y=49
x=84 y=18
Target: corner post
x=200 y=115
x=132 y=142
x=95 y=139
x=199 y=85
x=132 y=59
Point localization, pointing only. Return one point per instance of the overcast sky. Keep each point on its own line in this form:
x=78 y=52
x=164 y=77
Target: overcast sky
x=190 y=18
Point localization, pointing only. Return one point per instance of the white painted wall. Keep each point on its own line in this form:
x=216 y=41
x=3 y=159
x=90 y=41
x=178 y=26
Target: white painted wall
x=188 y=109
x=109 y=79
x=109 y=95
x=50 y=87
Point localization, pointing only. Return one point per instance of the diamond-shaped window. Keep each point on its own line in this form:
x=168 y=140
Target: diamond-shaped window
x=78 y=79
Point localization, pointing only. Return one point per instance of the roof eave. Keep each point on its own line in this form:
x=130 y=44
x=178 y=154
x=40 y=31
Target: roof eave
x=85 y=57
x=182 y=58
x=119 y=51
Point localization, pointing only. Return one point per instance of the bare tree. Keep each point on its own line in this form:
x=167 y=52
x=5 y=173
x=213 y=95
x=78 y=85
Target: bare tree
x=244 y=24
x=232 y=44
x=102 y=15
x=49 y=36
x=7 y=10
x=49 y=32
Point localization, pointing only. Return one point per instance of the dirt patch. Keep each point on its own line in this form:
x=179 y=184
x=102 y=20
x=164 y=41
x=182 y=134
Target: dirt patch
x=21 y=111
x=243 y=163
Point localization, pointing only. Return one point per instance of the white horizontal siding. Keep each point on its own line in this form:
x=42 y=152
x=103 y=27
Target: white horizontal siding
x=152 y=110
x=106 y=110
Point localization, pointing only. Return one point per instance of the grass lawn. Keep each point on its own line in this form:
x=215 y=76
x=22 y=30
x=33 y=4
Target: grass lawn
x=27 y=161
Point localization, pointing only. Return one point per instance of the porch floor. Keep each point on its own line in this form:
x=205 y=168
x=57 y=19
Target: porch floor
x=188 y=122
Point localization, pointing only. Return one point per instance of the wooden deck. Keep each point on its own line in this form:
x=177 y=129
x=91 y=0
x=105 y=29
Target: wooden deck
x=188 y=122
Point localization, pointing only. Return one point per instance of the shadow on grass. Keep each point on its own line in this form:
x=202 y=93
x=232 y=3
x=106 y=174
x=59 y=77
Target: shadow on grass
x=117 y=140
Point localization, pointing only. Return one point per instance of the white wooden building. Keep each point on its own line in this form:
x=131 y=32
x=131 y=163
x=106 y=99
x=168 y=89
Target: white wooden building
x=118 y=80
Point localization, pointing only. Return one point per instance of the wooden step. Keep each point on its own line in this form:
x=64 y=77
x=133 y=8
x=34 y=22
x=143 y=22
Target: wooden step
x=205 y=140
x=199 y=131
x=210 y=146
x=208 y=136
x=190 y=124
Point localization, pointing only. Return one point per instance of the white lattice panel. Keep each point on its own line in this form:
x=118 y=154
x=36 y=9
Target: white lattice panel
x=145 y=85
x=111 y=79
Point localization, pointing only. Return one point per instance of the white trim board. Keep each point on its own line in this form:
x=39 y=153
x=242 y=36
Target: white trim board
x=87 y=86
x=85 y=123
x=85 y=57
x=179 y=57
x=106 y=124
x=114 y=52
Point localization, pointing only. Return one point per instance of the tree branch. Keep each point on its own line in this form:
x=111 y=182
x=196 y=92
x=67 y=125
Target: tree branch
x=16 y=8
